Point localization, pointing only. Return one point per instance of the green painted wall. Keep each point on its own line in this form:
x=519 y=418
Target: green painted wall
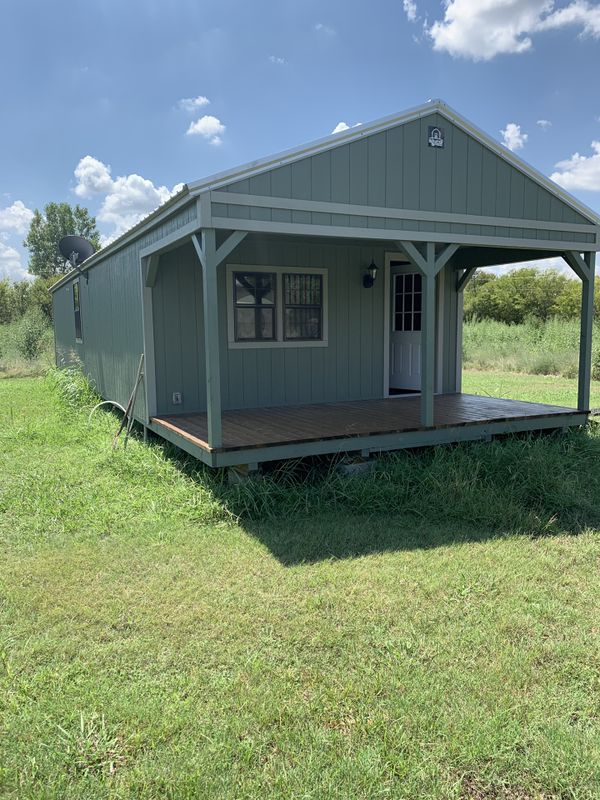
x=351 y=367
x=111 y=317
x=396 y=169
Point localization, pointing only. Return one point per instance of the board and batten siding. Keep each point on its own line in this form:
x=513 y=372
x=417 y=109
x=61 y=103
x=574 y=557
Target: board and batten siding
x=395 y=169
x=350 y=367
x=111 y=318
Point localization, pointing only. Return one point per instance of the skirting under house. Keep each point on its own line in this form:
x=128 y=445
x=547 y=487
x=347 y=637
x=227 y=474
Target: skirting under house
x=311 y=302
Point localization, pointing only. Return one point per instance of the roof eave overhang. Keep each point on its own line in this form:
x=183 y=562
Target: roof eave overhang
x=160 y=213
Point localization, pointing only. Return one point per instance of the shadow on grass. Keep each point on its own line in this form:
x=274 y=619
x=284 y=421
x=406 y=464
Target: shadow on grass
x=305 y=511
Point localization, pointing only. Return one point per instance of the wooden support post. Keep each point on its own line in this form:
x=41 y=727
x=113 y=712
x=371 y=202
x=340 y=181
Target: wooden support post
x=207 y=255
x=429 y=266
x=428 y=338
x=585 y=336
x=210 y=257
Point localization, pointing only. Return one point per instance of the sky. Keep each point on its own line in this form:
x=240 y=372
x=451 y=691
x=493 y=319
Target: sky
x=113 y=104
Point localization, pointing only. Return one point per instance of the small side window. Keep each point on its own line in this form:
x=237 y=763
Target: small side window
x=77 y=311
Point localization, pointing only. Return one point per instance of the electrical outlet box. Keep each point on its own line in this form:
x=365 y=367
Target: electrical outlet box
x=176 y=398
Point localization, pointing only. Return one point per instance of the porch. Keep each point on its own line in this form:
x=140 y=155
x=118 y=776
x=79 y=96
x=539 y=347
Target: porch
x=265 y=434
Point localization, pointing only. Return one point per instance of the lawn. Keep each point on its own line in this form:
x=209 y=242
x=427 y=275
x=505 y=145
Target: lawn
x=430 y=631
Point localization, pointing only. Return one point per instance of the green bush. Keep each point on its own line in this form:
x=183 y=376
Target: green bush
x=31 y=334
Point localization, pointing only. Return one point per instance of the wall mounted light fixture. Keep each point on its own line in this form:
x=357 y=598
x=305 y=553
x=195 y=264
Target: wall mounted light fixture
x=369 y=278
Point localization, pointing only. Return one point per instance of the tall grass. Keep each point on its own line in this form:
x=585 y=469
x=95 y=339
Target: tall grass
x=26 y=347
x=531 y=483
x=550 y=348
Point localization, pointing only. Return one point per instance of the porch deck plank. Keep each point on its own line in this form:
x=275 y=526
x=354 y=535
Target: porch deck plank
x=264 y=427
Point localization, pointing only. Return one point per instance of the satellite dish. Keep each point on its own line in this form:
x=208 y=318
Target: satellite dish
x=75 y=249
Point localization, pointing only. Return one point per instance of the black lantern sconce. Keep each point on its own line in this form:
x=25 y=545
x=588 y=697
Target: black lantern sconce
x=369 y=278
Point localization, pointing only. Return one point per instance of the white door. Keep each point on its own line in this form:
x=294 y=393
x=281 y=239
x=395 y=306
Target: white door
x=405 y=343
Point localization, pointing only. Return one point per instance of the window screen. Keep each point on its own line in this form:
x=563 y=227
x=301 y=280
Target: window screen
x=302 y=307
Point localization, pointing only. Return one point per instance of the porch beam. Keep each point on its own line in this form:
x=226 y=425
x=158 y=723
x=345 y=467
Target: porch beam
x=463 y=279
x=229 y=245
x=445 y=256
x=171 y=241
x=207 y=255
x=577 y=264
x=413 y=254
x=585 y=336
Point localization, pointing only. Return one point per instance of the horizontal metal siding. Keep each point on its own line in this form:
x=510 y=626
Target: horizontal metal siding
x=397 y=169
x=111 y=318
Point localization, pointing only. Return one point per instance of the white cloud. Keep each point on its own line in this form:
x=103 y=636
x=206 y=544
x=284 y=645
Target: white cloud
x=580 y=172
x=10 y=264
x=513 y=138
x=483 y=29
x=208 y=126
x=343 y=126
x=16 y=218
x=324 y=29
x=93 y=177
x=192 y=104
x=127 y=199
x=277 y=60
x=410 y=9
x=544 y=124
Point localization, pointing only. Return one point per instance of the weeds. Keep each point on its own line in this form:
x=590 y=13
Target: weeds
x=91 y=747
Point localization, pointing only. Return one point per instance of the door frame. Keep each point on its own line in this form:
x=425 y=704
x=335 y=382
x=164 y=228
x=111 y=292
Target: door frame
x=439 y=311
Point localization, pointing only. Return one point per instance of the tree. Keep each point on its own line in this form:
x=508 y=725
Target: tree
x=47 y=229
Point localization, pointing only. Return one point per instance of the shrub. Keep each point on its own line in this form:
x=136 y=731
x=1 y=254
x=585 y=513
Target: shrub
x=31 y=334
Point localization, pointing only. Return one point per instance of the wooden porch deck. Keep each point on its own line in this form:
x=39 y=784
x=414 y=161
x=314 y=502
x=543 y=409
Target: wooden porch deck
x=249 y=429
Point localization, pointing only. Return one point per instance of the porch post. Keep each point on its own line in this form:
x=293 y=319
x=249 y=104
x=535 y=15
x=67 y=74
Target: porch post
x=428 y=265
x=428 y=337
x=585 y=336
x=208 y=258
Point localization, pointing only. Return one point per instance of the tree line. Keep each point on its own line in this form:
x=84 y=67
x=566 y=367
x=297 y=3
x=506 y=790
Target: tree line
x=524 y=294
x=45 y=263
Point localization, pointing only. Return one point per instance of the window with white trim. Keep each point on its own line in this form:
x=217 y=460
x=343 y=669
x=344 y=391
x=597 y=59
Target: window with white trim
x=276 y=306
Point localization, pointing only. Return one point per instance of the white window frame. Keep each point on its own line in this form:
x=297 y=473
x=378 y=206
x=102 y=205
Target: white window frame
x=279 y=272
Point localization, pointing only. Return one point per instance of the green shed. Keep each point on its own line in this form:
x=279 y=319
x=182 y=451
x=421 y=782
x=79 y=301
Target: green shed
x=311 y=302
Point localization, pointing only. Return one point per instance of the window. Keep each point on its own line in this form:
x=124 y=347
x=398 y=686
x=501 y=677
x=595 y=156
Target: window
x=407 y=302
x=77 y=311
x=303 y=307
x=276 y=306
x=254 y=306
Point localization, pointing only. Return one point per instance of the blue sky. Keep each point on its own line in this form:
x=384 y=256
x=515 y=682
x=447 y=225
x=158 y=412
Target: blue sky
x=104 y=82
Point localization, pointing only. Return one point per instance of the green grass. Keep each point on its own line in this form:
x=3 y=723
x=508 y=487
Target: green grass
x=551 y=389
x=427 y=632
x=536 y=348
